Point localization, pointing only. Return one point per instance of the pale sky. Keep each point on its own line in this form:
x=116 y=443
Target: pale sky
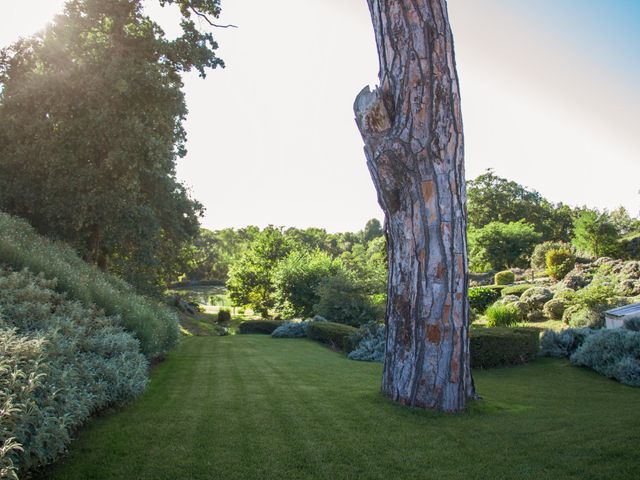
x=549 y=89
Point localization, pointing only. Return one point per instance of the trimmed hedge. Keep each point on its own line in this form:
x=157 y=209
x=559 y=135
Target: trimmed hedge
x=516 y=290
x=481 y=297
x=501 y=346
x=259 y=326
x=337 y=335
x=506 y=277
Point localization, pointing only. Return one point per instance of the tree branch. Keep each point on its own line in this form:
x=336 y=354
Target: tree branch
x=202 y=15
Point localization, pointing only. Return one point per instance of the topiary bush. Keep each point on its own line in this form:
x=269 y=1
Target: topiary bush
x=60 y=362
x=559 y=263
x=506 y=277
x=502 y=346
x=539 y=255
x=153 y=324
x=536 y=297
x=266 y=327
x=580 y=316
x=500 y=315
x=554 y=309
x=612 y=352
x=224 y=315
x=481 y=297
x=517 y=290
x=344 y=299
x=337 y=335
x=368 y=343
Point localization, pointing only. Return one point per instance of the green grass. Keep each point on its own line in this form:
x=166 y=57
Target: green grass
x=253 y=407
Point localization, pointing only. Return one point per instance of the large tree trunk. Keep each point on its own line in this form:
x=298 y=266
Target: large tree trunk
x=412 y=129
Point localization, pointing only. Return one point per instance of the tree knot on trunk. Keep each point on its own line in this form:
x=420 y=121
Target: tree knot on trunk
x=372 y=115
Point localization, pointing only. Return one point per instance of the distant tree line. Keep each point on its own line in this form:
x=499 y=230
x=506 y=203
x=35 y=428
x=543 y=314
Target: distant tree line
x=507 y=220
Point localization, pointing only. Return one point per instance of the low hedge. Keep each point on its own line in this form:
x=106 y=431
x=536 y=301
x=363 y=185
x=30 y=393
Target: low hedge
x=481 y=297
x=501 y=346
x=337 y=335
x=516 y=290
x=259 y=326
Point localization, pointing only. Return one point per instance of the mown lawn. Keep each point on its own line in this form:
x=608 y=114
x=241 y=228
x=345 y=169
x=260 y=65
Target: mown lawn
x=252 y=407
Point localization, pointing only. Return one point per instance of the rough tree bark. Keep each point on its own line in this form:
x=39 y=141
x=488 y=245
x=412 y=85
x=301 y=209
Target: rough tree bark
x=412 y=128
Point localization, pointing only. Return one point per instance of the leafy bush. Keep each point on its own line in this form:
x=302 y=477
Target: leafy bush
x=500 y=315
x=342 y=299
x=580 y=316
x=536 y=297
x=502 y=245
x=368 y=343
x=501 y=346
x=296 y=279
x=506 y=277
x=334 y=334
x=539 y=255
x=266 y=327
x=612 y=352
x=562 y=344
x=153 y=324
x=224 y=315
x=559 y=263
x=60 y=362
x=481 y=297
x=516 y=289
x=554 y=309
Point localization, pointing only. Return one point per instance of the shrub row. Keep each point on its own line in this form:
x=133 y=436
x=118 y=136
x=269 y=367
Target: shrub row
x=614 y=353
x=153 y=324
x=337 y=335
x=500 y=346
x=60 y=362
x=265 y=327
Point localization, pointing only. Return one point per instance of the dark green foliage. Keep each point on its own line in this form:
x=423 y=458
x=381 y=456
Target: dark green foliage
x=612 y=352
x=506 y=277
x=337 y=335
x=250 y=281
x=554 y=308
x=596 y=235
x=259 y=326
x=481 y=297
x=500 y=245
x=559 y=263
x=91 y=126
x=344 y=299
x=296 y=279
x=153 y=324
x=495 y=199
x=516 y=290
x=630 y=246
x=60 y=362
x=500 y=315
x=498 y=347
x=224 y=315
